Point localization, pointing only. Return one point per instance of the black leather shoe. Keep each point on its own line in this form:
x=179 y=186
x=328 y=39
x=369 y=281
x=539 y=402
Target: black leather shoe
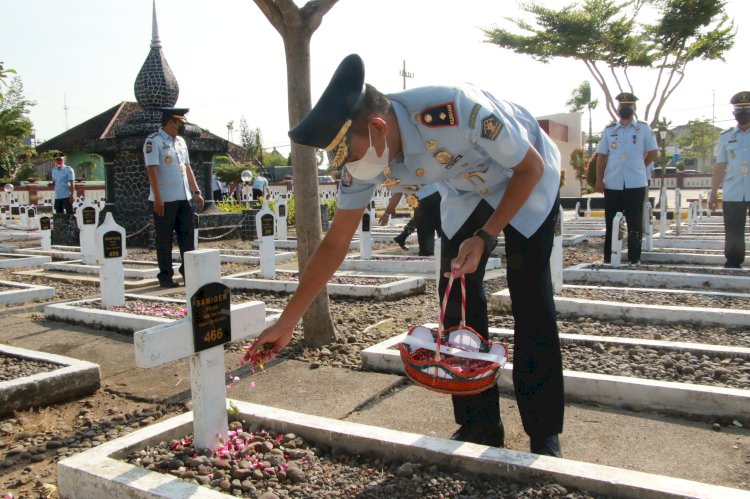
x=547 y=446
x=490 y=435
x=168 y=284
x=401 y=243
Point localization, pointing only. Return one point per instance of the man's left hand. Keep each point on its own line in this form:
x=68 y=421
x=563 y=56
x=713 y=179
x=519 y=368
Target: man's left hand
x=200 y=201
x=469 y=255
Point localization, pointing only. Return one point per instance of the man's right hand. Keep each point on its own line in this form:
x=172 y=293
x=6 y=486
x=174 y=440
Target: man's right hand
x=713 y=202
x=600 y=186
x=159 y=207
x=277 y=335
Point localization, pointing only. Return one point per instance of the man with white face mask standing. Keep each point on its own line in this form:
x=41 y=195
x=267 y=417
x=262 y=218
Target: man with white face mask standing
x=732 y=172
x=626 y=150
x=496 y=170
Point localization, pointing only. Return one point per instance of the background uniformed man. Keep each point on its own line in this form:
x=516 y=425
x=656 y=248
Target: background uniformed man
x=426 y=218
x=173 y=186
x=732 y=172
x=64 y=179
x=260 y=186
x=624 y=154
x=496 y=171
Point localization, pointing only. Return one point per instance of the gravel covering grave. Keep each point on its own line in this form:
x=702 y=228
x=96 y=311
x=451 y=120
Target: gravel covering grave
x=152 y=308
x=258 y=463
x=13 y=367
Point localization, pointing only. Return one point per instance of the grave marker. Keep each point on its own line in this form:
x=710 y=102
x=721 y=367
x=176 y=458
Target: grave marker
x=45 y=226
x=31 y=218
x=578 y=210
x=86 y=217
x=618 y=228
x=649 y=226
x=365 y=237
x=663 y=214
x=556 y=257
x=588 y=207
x=264 y=221
x=677 y=212
x=169 y=342
x=110 y=251
x=281 y=229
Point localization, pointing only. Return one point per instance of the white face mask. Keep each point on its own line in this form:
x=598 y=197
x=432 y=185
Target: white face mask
x=370 y=165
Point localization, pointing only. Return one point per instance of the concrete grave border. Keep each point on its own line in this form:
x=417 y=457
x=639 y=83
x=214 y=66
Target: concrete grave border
x=252 y=260
x=602 y=274
x=24 y=293
x=399 y=264
x=18 y=260
x=581 y=307
x=72 y=312
x=404 y=286
x=77 y=267
x=667 y=397
x=102 y=472
x=73 y=379
x=19 y=236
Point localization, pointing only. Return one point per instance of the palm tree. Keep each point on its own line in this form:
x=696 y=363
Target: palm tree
x=580 y=99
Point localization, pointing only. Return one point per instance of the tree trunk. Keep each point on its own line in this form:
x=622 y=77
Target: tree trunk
x=317 y=323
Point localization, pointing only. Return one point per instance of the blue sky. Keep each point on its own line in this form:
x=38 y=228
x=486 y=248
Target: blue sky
x=229 y=61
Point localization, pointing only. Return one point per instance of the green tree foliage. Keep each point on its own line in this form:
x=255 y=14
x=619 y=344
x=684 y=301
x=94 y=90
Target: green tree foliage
x=580 y=99
x=15 y=126
x=274 y=158
x=578 y=160
x=699 y=143
x=229 y=171
x=591 y=171
x=252 y=142
x=3 y=77
x=607 y=36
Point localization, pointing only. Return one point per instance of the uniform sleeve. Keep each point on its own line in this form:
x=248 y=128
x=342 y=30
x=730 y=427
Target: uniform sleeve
x=650 y=142
x=603 y=146
x=354 y=193
x=151 y=152
x=500 y=135
x=187 y=152
x=71 y=174
x=721 y=151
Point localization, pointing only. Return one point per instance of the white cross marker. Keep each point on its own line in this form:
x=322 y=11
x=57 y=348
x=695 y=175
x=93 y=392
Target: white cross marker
x=169 y=342
x=617 y=234
x=556 y=257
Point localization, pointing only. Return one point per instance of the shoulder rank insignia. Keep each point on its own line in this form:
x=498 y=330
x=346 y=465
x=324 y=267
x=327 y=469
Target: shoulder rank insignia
x=491 y=127
x=442 y=115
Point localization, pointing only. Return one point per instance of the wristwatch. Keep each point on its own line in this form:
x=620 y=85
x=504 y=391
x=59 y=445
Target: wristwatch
x=196 y=193
x=489 y=240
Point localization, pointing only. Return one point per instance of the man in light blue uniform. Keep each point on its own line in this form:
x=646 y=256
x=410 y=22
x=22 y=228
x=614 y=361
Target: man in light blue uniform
x=496 y=171
x=426 y=218
x=732 y=172
x=260 y=186
x=64 y=178
x=173 y=186
x=625 y=151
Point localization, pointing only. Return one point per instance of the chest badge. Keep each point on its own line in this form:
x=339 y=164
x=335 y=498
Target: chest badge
x=168 y=160
x=431 y=144
x=419 y=172
x=443 y=156
x=613 y=146
x=390 y=182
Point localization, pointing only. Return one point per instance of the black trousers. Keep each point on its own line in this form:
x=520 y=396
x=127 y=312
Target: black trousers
x=735 y=217
x=537 y=361
x=630 y=203
x=427 y=220
x=63 y=205
x=257 y=193
x=178 y=218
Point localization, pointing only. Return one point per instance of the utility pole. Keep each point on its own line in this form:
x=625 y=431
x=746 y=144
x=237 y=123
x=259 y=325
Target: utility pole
x=406 y=74
x=65 y=107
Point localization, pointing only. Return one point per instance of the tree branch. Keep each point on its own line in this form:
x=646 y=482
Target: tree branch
x=312 y=12
x=272 y=13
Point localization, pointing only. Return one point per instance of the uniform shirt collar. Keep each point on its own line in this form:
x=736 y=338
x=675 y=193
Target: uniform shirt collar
x=165 y=135
x=411 y=141
x=620 y=125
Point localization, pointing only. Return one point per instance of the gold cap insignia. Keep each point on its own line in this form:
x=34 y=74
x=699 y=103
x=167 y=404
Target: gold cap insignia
x=431 y=144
